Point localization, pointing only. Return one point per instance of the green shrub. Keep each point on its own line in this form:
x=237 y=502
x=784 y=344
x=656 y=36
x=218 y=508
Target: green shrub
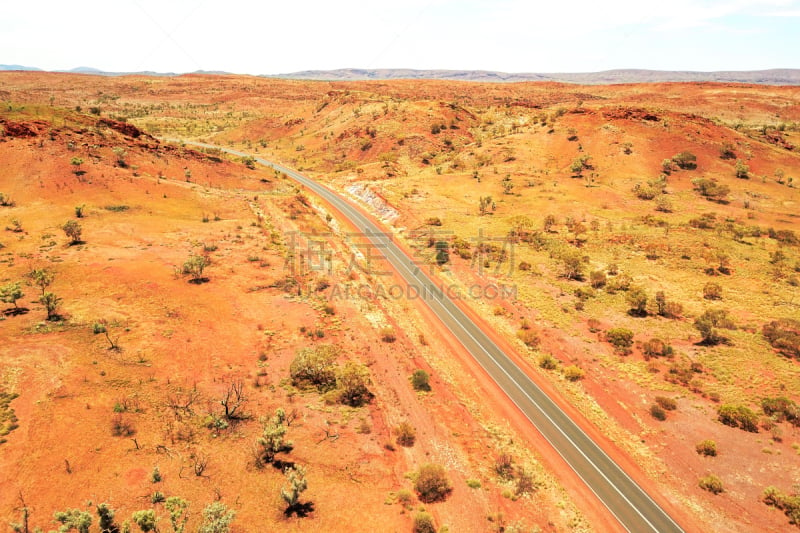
x=432 y=484
x=711 y=483
x=420 y=380
x=738 y=417
x=621 y=339
x=706 y=447
x=423 y=523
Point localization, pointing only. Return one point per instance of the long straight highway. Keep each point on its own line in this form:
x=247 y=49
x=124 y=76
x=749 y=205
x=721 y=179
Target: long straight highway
x=627 y=501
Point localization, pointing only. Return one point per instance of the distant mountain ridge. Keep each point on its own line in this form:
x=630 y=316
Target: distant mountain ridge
x=761 y=77
x=765 y=77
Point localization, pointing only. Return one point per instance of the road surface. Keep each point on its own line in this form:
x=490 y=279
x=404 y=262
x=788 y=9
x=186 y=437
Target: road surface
x=632 y=507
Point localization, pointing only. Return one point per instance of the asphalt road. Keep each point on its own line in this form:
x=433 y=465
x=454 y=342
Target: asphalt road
x=628 y=502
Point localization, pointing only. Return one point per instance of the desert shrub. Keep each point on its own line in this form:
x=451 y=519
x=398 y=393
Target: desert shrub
x=573 y=373
x=655 y=347
x=784 y=335
x=784 y=236
x=351 y=381
x=597 y=279
x=423 y=523
x=685 y=160
x=548 y=362
x=315 y=367
x=388 y=334
x=433 y=221
x=621 y=282
x=146 y=520
x=216 y=518
x=781 y=408
x=73 y=519
x=195 y=266
x=790 y=505
x=738 y=416
x=742 y=171
x=711 y=483
x=431 y=483
x=668 y=404
x=529 y=337
x=504 y=466
x=711 y=189
x=726 y=151
x=621 y=339
x=73 y=230
x=122 y=426
x=673 y=310
x=706 y=447
x=658 y=412
x=710 y=323
x=712 y=291
x=406 y=434
x=704 y=221
x=272 y=440
x=420 y=380
x=637 y=300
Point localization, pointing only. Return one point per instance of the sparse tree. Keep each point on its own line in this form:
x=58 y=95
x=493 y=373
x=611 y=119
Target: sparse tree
x=216 y=518
x=710 y=323
x=42 y=278
x=11 y=292
x=637 y=299
x=51 y=303
x=77 y=162
x=73 y=230
x=742 y=170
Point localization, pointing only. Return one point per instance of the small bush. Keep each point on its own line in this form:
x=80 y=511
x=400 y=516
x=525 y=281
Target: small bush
x=738 y=417
x=657 y=412
x=712 y=291
x=406 y=434
x=621 y=339
x=388 y=335
x=423 y=523
x=121 y=426
x=548 y=362
x=504 y=466
x=573 y=373
x=473 y=483
x=432 y=484
x=420 y=380
x=707 y=448
x=711 y=483
x=655 y=347
x=668 y=404
x=784 y=336
x=529 y=337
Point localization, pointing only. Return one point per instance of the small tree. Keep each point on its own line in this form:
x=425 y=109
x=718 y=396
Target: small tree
x=637 y=299
x=710 y=323
x=234 y=400
x=742 y=170
x=420 y=380
x=11 y=292
x=102 y=327
x=296 y=484
x=73 y=230
x=42 y=278
x=77 y=162
x=432 y=484
x=216 y=518
x=176 y=507
x=51 y=303
x=75 y=519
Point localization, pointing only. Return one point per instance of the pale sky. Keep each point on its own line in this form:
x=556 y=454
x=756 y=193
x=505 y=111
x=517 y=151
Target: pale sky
x=267 y=37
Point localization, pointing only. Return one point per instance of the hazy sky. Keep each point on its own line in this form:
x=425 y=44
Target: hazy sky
x=268 y=37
